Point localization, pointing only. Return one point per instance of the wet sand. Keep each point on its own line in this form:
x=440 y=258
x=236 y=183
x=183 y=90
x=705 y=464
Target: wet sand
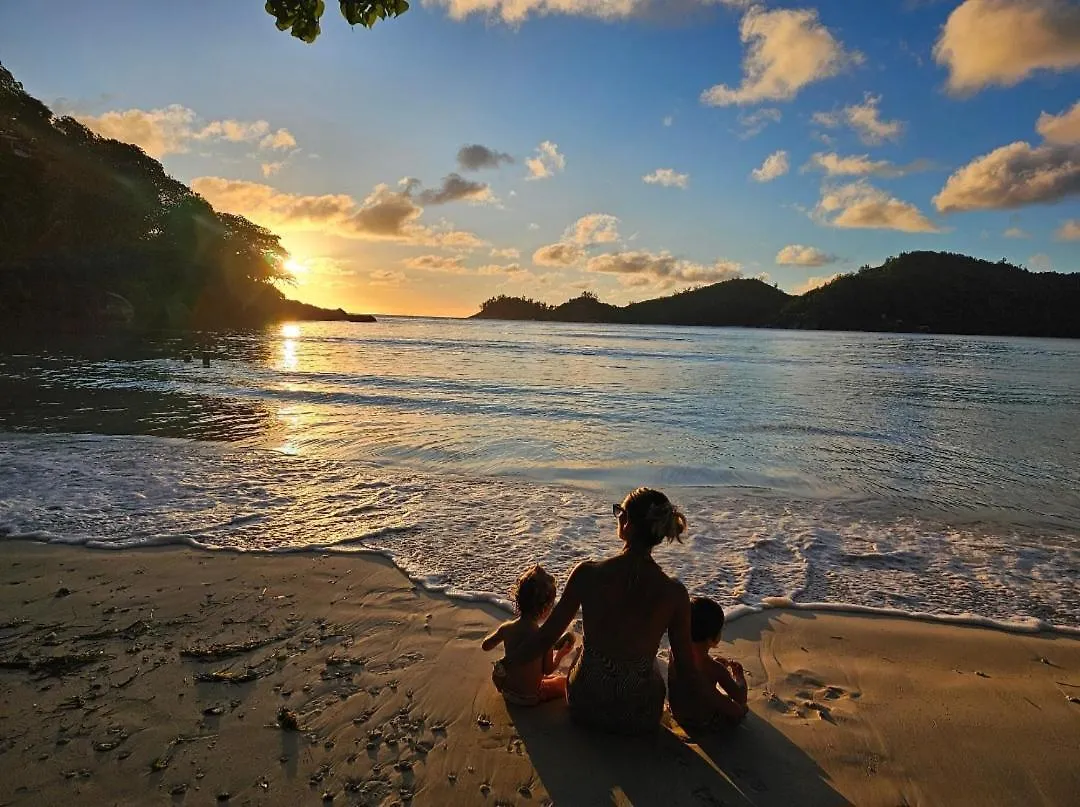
x=171 y=676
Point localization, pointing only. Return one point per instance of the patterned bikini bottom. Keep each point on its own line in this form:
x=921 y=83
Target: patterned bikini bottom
x=624 y=697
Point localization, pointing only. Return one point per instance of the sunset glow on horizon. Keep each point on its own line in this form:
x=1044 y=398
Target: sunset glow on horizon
x=514 y=149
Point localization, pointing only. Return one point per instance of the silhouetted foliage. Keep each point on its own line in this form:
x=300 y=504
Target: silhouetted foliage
x=94 y=230
x=916 y=292
x=301 y=17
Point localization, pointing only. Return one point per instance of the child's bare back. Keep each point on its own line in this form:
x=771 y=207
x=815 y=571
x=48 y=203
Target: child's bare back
x=535 y=681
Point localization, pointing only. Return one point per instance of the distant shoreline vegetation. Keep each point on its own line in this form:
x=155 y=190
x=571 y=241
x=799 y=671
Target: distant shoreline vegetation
x=915 y=292
x=95 y=234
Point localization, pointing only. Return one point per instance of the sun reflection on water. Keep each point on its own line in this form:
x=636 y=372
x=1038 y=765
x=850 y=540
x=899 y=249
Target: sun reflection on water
x=289 y=360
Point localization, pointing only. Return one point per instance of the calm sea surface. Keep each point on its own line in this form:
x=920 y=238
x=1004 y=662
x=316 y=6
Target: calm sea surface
x=933 y=474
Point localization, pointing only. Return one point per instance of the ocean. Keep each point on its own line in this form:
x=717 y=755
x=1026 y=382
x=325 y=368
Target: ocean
x=936 y=476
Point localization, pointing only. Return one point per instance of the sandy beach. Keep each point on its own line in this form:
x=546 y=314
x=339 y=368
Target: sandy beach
x=172 y=676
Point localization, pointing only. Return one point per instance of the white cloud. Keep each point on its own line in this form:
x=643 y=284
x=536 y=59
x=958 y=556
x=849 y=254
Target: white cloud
x=1063 y=128
x=661 y=269
x=559 y=254
x=1013 y=176
x=667 y=177
x=859 y=205
x=171 y=129
x=836 y=165
x=668 y=120
x=1040 y=262
x=235 y=131
x=384 y=215
x=269 y=169
x=595 y=228
x=788 y=49
x=547 y=162
x=507 y=252
x=1002 y=42
x=1068 y=231
x=1016 y=232
x=799 y=255
x=753 y=123
x=812 y=283
x=533 y=225
x=864 y=119
x=775 y=165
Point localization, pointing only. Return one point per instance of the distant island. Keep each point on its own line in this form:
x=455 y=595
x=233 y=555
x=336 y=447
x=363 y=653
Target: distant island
x=916 y=292
x=96 y=234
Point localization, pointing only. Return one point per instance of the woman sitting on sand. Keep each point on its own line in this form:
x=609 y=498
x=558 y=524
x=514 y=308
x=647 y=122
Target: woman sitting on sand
x=627 y=605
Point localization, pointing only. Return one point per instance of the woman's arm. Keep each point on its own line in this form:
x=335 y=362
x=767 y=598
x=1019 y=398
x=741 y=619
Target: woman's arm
x=556 y=623
x=682 y=653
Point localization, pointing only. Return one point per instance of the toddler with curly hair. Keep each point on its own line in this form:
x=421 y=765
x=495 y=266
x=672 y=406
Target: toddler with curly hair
x=537 y=680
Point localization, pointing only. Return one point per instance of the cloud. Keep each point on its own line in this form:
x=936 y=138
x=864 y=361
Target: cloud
x=547 y=162
x=156 y=131
x=454 y=188
x=384 y=214
x=753 y=123
x=1016 y=232
x=235 y=131
x=508 y=252
x=281 y=139
x=1013 y=176
x=660 y=269
x=812 y=283
x=667 y=177
x=788 y=49
x=799 y=255
x=986 y=42
x=269 y=169
x=171 y=129
x=1063 y=128
x=861 y=165
x=475 y=157
x=1068 y=231
x=859 y=205
x=436 y=263
x=1040 y=262
x=775 y=165
x=386 y=277
x=668 y=120
x=512 y=269
x=558 y=254
x=595 y=228
x=864 y=119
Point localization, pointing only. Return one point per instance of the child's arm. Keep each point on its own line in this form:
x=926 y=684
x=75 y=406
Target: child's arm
x=493 y=639
x=734 y=686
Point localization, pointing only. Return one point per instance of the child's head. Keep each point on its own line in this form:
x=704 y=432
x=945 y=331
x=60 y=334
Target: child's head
x=534 y=593
x=647 y=517
x=706 y=620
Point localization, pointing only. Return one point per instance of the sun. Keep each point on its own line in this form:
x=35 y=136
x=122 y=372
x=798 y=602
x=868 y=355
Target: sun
x=295 y=267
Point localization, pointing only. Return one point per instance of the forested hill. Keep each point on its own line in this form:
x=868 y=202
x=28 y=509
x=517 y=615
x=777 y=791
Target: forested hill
x=916 y=292
x=94 y=232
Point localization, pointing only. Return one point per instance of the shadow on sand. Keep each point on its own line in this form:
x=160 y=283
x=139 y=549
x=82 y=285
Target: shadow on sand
x=753 y=764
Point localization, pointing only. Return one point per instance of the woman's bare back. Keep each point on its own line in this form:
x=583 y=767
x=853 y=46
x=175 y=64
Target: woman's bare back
x=627 y=604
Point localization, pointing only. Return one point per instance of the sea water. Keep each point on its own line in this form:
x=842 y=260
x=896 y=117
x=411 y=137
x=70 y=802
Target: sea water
x=930 y=475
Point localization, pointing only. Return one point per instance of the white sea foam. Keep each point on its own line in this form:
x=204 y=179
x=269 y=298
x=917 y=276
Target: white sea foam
x=469 y=536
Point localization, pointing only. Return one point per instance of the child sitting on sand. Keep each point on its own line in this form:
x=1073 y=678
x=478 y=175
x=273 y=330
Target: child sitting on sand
x=536 y=681
x=724 y=703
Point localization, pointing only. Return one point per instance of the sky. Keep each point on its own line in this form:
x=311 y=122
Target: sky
x=631 y=148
